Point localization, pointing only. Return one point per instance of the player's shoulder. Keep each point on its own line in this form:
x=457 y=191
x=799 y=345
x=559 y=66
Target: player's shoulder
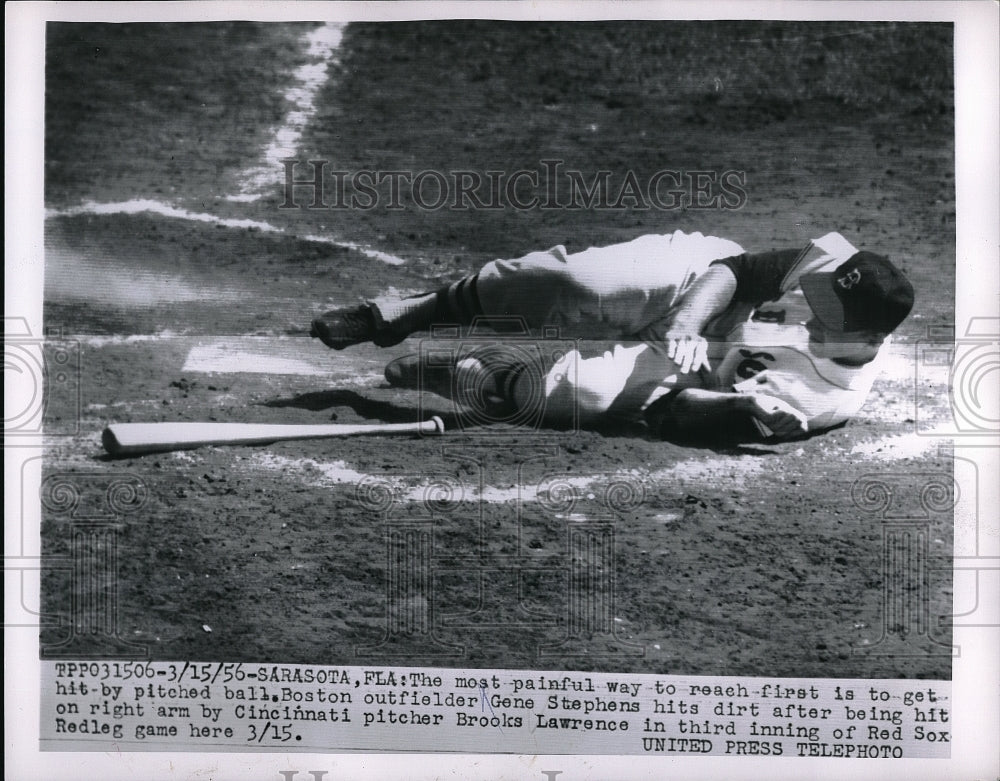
x=699 y=243
x=821 y=254
x=693 y=250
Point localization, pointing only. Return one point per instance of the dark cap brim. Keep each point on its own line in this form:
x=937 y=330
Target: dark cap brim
x=824 y=303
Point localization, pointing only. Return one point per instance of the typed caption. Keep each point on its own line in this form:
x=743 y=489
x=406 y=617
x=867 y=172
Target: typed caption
x=135 y=706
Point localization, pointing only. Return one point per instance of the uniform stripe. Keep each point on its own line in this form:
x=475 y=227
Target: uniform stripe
x=477 y=306
x=454 y=311
x=462 y=298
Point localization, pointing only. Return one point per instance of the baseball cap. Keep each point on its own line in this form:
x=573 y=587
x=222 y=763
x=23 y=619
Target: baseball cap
x=865 y=293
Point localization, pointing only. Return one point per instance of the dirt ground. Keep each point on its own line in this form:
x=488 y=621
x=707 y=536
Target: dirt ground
x=751 y=560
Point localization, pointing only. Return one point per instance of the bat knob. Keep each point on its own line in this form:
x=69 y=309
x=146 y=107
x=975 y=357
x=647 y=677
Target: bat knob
x=110 y=441
x=438 y=425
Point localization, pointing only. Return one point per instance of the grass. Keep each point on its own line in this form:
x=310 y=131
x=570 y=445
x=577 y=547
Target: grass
x=858 y=66
x=154 y=108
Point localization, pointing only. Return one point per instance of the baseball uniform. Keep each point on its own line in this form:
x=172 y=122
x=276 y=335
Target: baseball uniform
x=614 y=300
x=758 y=345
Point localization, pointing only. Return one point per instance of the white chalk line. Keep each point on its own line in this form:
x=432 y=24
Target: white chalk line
x=728 y=471
x=898 y=447
x=167 y=335
x=322 y=46
x=98 y=341
x=254 y=354
x=149 y=206
x=731 y=469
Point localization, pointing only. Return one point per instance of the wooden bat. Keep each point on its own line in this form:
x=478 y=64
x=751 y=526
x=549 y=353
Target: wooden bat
x=130 y=439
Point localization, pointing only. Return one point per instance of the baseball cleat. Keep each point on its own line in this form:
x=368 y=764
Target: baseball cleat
x=406 y=372
x=468 y=381
x=342 y=328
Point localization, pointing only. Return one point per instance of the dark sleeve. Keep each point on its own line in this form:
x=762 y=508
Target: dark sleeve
x=759 y=276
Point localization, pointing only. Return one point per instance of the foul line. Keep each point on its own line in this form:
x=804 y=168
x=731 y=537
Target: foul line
x=322 y=45
x=148 y=206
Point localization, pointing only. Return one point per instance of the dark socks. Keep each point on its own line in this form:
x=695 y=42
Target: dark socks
x=456 y=303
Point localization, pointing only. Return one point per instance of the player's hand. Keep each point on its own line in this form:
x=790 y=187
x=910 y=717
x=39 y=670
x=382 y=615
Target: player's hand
x=781 y=419
x=688 y=350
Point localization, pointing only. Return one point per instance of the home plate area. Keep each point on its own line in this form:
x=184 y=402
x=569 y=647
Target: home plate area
x=283 y=355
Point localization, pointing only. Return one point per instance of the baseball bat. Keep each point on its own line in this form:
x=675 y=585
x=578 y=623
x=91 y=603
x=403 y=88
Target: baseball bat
x=130 y=439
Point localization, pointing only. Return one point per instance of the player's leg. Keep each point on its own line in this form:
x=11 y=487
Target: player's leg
x=542 y=289
x=608 y=292
x=592 y=383
x=603 y=292
x=482 y=377
x=580 y=386
x=536 y=290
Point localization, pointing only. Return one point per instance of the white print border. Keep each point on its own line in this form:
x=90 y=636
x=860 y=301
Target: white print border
x=143 y=706
x=975 y=674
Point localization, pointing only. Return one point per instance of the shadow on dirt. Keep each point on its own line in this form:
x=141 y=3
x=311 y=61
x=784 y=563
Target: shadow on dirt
x=390 y=412
x=383 y=411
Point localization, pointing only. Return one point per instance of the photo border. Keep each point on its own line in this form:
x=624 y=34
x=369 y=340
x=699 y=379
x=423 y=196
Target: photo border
x=975 y=674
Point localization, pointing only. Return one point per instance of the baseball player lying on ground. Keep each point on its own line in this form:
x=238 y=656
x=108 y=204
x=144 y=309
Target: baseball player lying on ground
x=692 y=333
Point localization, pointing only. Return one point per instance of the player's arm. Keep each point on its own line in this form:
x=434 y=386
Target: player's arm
x=746 y=278
x=694 y=412
x=708 y=297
